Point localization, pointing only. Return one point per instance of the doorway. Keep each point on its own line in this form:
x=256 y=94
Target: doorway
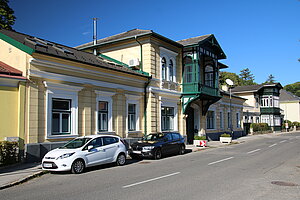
x=190 y=130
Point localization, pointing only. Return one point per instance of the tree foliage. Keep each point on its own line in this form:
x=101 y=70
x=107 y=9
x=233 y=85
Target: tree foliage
x=228 y=75
x=270 y=80
x=7 y=18
x=246 y=77
x=293 y=88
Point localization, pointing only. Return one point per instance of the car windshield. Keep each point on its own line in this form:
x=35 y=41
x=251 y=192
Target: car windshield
x=154 y=137
x=76 y=143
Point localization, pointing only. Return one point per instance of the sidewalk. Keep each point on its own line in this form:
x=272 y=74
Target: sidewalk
x=19 y=173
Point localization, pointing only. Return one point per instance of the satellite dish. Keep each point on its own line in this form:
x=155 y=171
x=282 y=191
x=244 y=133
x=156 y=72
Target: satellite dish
x=229 y=82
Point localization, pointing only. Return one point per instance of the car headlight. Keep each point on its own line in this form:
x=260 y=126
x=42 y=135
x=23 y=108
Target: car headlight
x=148 y=148
x=66 y=155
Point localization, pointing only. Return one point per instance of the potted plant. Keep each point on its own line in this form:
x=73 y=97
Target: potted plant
x=200 y=141
x=225 y=138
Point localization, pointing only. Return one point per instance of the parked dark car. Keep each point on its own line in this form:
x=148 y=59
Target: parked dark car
x=156 y=145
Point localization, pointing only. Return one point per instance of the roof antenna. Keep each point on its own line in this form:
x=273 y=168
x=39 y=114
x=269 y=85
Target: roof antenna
x=95 y=35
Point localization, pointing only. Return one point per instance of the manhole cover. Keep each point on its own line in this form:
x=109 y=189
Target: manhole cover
x=282 y=183
x=144 y=162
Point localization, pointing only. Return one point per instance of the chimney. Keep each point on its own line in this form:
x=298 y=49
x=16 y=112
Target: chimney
x=95 y=35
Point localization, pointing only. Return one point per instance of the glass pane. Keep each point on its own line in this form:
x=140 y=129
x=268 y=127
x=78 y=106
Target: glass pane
x=131 y=108
x=55 y=122
x=103 y=106
x=61 y=104
x=65 y=122
x=103 y=122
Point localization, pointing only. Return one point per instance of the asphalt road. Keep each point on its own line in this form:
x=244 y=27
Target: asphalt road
x=264 y=168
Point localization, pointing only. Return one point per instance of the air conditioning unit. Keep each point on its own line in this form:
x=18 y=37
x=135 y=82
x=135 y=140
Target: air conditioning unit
x=134 y=62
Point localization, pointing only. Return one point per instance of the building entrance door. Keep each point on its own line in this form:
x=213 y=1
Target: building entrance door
x=190 y=125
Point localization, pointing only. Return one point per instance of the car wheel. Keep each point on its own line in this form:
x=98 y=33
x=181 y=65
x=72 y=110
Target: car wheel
x=77 y=166
x=157 y=154
x=121 y=159
x=181 y=149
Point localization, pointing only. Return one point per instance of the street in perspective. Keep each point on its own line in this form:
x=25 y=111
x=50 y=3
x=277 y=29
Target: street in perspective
x=149 y=100
x=256 y=167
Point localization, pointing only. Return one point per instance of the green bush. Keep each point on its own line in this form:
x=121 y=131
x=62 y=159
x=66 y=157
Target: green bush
x=225 y=135
x=8 y=153
x=260 y=127
x=297 y=124
x=287 y=121
x=197 y=137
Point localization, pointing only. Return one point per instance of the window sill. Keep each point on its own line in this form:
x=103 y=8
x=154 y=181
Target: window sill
x=106 y=133
x=53 y=137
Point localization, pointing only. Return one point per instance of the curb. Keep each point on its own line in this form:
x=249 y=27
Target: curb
x=23 y=180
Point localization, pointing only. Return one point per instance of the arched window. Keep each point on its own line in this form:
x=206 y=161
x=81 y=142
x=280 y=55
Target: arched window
x=209 y=76
x=171 y=71
x=163 y=68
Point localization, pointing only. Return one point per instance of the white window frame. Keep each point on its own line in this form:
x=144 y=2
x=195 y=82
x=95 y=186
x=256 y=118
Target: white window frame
x=168 y=55
x=169 y=103
x=213 y=109
x=133 y=99
x=62 y=91
x=104 y=96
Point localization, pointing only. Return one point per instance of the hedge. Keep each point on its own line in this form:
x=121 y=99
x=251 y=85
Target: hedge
x=9 y=153
x=260 y=127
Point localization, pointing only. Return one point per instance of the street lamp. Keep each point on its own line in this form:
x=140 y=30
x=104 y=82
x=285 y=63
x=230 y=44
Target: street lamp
x=230 y=83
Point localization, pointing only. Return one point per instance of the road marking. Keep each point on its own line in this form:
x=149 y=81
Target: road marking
x=273 y=145
x=253 y=151
x=282 y=141
x=153 y=179
x=220 y=161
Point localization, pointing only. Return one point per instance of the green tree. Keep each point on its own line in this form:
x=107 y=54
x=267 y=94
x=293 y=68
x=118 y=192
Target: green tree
x=247 y=78
x=293 y=88
x=270 y=80
x=229 y=75
x=7 y=18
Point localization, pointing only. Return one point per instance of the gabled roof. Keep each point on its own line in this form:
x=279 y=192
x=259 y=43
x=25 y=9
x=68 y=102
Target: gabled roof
x=194 y=40
x=124 y=36
x=286 y=96
x=253 y=88
x=31 y=44
x=10 y=72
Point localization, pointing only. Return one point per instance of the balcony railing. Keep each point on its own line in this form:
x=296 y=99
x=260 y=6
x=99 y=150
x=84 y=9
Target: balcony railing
x=197 y=88
x=269 y=110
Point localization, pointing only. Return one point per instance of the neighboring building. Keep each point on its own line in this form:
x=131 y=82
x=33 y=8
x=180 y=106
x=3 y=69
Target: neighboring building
x=262 y=104
x=184 y=80
x=70 y=93
x=12 y=104
x=290 y=104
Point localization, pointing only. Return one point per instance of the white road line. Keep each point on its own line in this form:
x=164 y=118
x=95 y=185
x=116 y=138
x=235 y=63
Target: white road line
x=220 y=161
x=282 y=141
x=253 y=151
x=153 y=179
x=273 y=145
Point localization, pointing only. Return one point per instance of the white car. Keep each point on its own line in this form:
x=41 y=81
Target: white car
x=84 y=152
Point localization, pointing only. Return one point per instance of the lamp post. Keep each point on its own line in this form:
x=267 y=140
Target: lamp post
x=230 y=83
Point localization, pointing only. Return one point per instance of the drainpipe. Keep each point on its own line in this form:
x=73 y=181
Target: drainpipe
x=141 y=65
x=145 y=105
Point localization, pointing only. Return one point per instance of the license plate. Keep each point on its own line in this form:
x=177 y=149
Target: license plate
x=137 y=152
x=47 y=165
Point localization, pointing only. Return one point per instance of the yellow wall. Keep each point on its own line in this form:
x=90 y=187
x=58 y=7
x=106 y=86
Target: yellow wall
x=9 y=100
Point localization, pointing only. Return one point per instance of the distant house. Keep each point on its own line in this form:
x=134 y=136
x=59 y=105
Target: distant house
x=184 y=86
x=262 y=104
x=290 y=104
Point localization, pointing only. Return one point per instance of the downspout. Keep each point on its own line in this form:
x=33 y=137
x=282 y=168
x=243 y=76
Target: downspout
x=145 y=104
x=141 y=65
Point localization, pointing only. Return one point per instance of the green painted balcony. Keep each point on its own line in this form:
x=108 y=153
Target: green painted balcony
x=197 y=88
x=270 y=110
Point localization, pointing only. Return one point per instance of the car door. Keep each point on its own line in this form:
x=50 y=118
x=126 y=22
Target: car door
x=176 y=142
x=110 y=144
x=97 y=154
x=168 y=146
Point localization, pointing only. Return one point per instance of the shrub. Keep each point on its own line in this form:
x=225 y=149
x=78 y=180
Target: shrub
x=197 y=137
x=289 y=123
x=297 y=124
x=8 y=153
x=260 y=127
x=225 y=135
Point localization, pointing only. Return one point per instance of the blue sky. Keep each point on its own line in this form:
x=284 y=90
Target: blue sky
x=262 y=35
